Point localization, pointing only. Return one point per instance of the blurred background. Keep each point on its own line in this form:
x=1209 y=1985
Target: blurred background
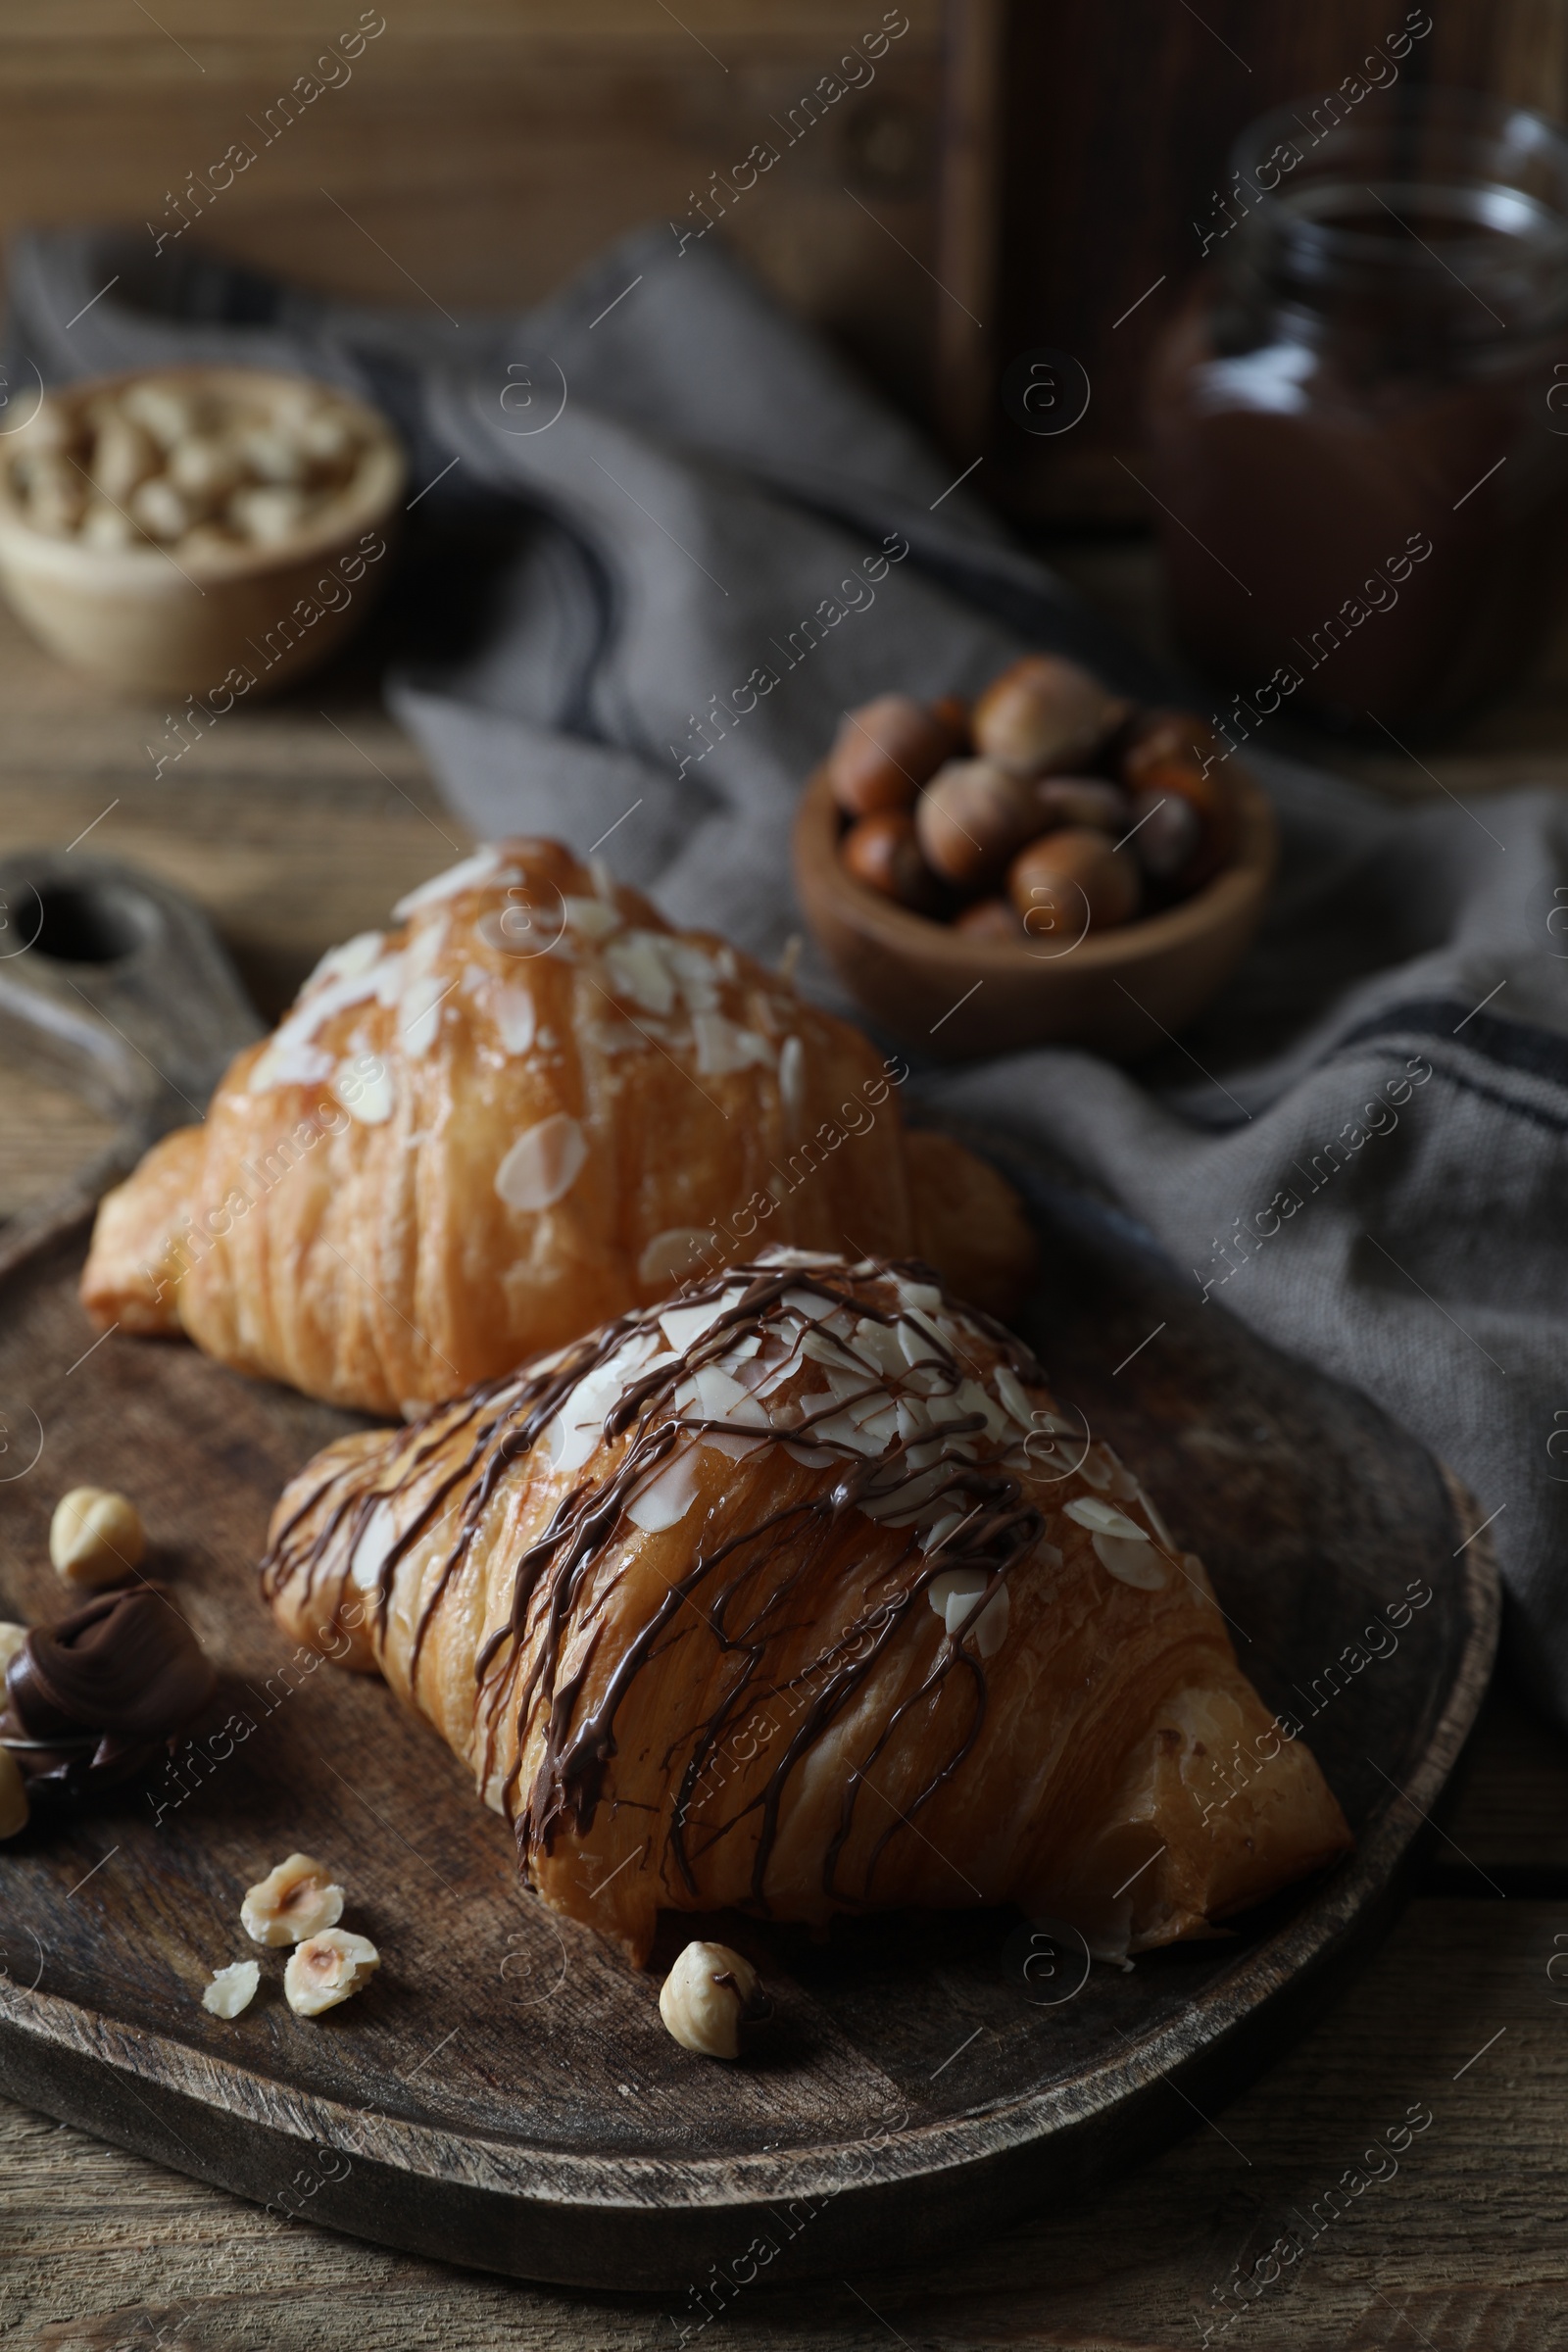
x=1014 y=179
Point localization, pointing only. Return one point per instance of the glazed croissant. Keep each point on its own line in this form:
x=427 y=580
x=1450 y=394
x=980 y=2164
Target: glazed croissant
x=800 y=1593
x=533 y=1107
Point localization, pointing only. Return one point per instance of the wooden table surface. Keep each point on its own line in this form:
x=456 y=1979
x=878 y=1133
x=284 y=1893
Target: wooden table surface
x=297 y=826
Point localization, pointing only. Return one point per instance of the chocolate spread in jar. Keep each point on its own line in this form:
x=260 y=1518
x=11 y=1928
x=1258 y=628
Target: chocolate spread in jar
x=1350 y=421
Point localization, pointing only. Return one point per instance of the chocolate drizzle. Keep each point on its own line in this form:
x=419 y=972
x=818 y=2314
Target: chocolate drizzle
x=92 y=1699
x=743 y=1589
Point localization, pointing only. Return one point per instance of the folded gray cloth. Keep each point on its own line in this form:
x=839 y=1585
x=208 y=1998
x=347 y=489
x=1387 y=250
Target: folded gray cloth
x=715 y=541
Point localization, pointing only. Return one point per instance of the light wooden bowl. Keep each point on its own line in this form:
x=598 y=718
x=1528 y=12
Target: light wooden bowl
x=1121 y=992
x=155 y=623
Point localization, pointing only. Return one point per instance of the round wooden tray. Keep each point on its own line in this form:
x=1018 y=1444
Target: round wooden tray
x=505 y=2095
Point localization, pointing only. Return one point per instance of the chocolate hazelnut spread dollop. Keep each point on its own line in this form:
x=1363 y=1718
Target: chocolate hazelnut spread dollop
x=90 y=1701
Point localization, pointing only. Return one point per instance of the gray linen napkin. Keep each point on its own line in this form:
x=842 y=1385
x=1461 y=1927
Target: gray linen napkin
x=719 y=540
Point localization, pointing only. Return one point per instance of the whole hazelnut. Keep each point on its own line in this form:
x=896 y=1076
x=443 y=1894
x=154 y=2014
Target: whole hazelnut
x=709 y=1997
x=1207 y=797
x=971 y=817
x=990 y=919
x=882 y=851
x=1070 y=882
x=1152 y=736
x=1044 y=714
x=1167 y=834
x=95 y=1536
x=1082 y=800
x=12 y=1639
x=884 y=752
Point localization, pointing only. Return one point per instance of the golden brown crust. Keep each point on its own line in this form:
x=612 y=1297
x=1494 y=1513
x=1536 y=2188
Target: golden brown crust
x=126 y=1279
x=699 y=1668
x=532 y=1107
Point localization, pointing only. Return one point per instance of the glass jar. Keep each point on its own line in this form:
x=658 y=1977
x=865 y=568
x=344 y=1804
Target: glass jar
x=1358 y=423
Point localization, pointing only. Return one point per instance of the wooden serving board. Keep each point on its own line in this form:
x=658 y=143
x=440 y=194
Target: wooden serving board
x=504 y=2094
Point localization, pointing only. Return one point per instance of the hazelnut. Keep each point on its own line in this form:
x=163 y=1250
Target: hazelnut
x=161 y=510
x=1045 y=713
x=710 y=1995
x=205 y=468
x=165 y=412
x=1082 y=800
x=882 y=851
x=1185 y=779
x=1072 y=881
x=990 y=919
x=12 y=1636
x=14 y=1807
x=971 y=817
x=326 y=1970
x=269 y=513
x=51 y=427
x=327 y=438
x=95 y=1536
x=884 y=752
x=208 y=539
x=295 y=1900
x=122 y=457
x=102 y=526
x=1158 y=735
x=273 y=455
x=233 y=1988
x=1167 y=834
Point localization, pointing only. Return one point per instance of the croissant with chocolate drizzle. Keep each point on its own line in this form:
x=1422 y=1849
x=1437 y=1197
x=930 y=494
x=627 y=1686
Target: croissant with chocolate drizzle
x=800 y=1593
x=531 y=1105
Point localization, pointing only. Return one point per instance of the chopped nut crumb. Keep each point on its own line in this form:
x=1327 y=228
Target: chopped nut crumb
x=327 y=1969
x=233 y=1988
x=295 y=1900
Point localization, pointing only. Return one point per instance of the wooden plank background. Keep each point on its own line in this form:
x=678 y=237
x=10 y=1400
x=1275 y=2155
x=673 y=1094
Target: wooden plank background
x=487 y=147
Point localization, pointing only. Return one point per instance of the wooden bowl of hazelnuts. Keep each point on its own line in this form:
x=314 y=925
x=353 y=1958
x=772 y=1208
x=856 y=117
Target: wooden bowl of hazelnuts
x=1053 y=865
x=206 y=531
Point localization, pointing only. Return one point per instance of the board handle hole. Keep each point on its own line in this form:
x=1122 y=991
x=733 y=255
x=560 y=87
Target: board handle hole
x=89 y=922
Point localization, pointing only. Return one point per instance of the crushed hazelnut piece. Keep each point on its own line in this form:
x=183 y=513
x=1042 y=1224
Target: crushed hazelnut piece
x=326 y=1970
x=233 y=1988
x=295 y=1900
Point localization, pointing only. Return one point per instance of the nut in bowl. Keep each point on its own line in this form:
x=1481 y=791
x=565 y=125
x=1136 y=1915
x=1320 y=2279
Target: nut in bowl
x=1054 y=866
x=197 y=530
